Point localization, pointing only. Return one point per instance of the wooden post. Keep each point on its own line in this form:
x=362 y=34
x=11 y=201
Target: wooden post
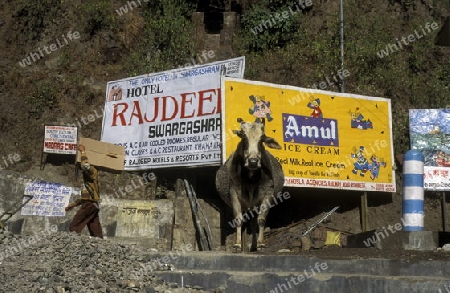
x=203 y=241
x=180 y=190
x=151 y=189
x=43 y=160
x=444 y=212
x=363 y=212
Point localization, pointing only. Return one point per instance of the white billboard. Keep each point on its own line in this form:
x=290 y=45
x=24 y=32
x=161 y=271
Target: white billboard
x=170 y=118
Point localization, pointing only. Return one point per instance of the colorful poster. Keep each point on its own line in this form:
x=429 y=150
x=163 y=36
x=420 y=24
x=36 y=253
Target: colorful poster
x=60 y=139
x=328 y=140
x=49 y=199
x=168 y=119
x=430 y=133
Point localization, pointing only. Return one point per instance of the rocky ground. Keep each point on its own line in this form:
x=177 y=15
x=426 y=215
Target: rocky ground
x=57 y=262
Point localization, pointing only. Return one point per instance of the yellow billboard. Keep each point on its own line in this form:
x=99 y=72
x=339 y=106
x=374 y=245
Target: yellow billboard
x=329 y=140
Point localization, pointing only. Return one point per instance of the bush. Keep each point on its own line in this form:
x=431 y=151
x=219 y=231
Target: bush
x=168 y=38
x=43 y=98
x=96 y=15
x=265 y=28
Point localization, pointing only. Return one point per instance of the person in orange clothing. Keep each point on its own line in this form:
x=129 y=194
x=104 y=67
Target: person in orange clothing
x=89 y=200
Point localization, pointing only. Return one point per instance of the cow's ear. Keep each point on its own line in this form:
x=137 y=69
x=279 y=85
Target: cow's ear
x=260 y=121
x=271 y=142
x=239 y=133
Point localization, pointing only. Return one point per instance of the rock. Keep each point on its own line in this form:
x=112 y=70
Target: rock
x=306 y=243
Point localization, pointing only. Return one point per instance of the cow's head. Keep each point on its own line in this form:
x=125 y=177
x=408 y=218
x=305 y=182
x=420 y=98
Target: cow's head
x=252 y=138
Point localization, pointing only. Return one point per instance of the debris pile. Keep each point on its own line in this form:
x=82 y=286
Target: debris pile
x=67 y=262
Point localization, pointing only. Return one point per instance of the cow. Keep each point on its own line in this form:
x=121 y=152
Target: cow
x=250 y=179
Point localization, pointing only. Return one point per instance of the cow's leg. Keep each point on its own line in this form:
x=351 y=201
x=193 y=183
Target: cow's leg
x=238 y=243
x=237 y=212
x=254 y=230
x=264 y=211
x=261 y=225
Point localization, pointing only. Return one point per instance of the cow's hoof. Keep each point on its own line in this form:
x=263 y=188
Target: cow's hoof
x=237 y=248
x=261 y=247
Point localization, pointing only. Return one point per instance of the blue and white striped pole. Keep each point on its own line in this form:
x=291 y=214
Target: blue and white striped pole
x=413 y=191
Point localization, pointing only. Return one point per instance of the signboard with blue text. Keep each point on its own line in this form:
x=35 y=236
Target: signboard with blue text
x=49 y=199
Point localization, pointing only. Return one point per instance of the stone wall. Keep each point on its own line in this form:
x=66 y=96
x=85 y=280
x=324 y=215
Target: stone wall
x=220 y=42
x=163 y=224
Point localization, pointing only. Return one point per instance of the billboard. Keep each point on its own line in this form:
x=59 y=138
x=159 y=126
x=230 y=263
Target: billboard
x=329 y=140
x=430 y=133
x=168 y=119
x=60 y=139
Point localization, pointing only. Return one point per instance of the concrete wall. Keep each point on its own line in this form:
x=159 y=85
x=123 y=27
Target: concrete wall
x=12 y=187
x=163 y=224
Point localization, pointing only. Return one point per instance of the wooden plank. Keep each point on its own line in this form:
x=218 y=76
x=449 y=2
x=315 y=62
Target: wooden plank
x=363 y=212
x=203 y=242
x=444 y=212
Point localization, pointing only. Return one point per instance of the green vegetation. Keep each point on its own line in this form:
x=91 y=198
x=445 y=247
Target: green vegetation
x=264 y=27
x=299 y=50
x=167 y=38
x=97 y=16
x=43 y=98
x=304 y=50
x=37 y=15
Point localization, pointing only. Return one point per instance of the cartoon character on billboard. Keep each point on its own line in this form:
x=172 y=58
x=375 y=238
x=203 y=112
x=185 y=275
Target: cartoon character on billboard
x=358 y=120
x=436 y=130
x=374 y=167
x=361 y=165
x=443 y=159
x=261 y=108
x=115 y=93
x=315 y=105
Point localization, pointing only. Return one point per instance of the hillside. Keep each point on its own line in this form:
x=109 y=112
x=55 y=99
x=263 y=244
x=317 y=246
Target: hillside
x=98 y=41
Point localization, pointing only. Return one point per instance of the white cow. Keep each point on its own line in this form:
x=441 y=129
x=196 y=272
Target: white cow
x=250 y=179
